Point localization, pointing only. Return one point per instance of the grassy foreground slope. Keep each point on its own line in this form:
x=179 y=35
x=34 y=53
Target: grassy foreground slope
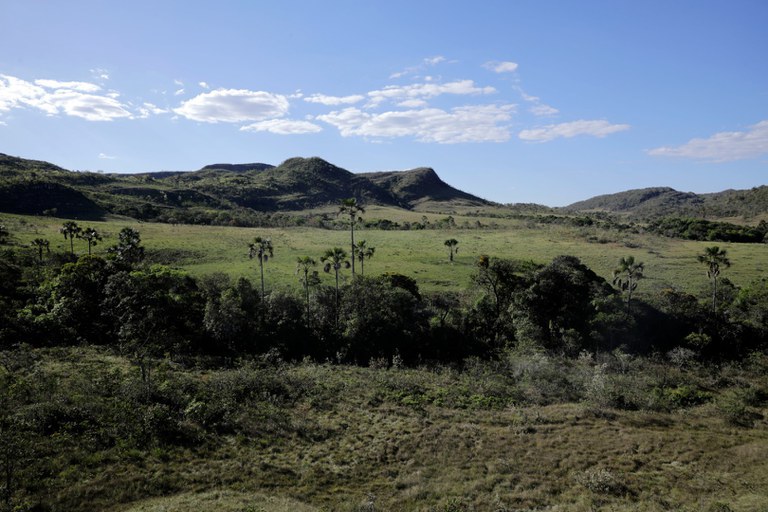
x=528 y=432
x=420 y=254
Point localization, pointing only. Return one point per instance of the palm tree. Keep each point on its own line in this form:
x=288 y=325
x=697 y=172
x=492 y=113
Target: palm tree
x=91 y=236
x=714 y=258
x=70 y=230
x=261 y=248
x=626 y=276
x=361 y=252
x=335 y=259
x=128 y=249
x=353 y=209
x=451 y=244
x=41 y=244
x=304 y=265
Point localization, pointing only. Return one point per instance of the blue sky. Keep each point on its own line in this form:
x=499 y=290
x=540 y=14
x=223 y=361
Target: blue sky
x=516 y=101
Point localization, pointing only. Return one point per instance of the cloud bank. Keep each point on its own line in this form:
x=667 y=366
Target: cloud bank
x=53 y=97
x=483 y=123
x=597 y=128
x=722 y=146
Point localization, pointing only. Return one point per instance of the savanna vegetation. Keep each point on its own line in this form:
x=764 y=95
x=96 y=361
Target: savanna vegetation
x=349 y=357
x=133 y=385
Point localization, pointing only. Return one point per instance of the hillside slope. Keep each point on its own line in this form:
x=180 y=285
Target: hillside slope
x=215 y=193
x=651 y=203
x=420 y=186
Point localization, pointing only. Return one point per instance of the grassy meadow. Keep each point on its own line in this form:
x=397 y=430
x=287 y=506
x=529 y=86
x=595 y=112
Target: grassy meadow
x=420 y=254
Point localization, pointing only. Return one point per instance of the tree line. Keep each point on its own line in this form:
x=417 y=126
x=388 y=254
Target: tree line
x=151 y=311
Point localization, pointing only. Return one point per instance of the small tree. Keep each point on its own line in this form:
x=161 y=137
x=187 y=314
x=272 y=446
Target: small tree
x=308 y=277
x=70 y=230
x=626 y=276
x=335 y=259
x=128 y=249
x=41 y=244
x=714 y=258
x=4 y=234
x=362 y=251
x=353 y=209
x=261 y=249
x=452 y=244
x=91 y=236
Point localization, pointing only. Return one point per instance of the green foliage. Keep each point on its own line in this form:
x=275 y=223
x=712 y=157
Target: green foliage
x=128 y=249
x=680 y=397
x=703 y=230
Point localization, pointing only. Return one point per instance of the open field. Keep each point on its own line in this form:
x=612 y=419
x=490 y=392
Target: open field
x=419 y=253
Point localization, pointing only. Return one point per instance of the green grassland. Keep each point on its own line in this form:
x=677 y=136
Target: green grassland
x=416 y=253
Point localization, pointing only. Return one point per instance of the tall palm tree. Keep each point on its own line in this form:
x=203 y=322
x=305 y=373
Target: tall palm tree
x=335 y=259
x=352 y=208
x=626 y=276
x=261 y=248
x=70 y=230
x=41 y=244
x=451 y=244
x=714 y=258
x=304 y=266
x=91 y=236
x=361 y=252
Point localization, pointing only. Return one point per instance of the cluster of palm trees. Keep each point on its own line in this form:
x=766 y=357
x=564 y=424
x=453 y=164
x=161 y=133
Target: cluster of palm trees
x=629 y=272
x=334 y=259
x=71 y=230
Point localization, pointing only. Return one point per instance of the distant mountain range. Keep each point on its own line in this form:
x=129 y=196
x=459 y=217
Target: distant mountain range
x=236 y=193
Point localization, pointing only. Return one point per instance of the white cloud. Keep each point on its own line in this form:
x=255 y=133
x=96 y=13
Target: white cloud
x=87 y=106
x=433 y=61
x=427 y=90
x=17 y=93
x=283 y=127
x=104 y=156
x=334 y=100
x=233 y=106
x=204 y=85
x=179 y=83
x=722 y=146
x=501 y=67
x=427 y=62
x=179 y=92
x=483 y=123
x=148 y=109
x=597 y=128
x=414 y=103
x=100 y=74
x=66 y=97
x=543 y=110
x=75 y=86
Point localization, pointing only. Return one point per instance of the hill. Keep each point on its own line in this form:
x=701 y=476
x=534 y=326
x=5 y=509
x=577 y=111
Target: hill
x=653 y=203
x=422 y=186
x=215 y=193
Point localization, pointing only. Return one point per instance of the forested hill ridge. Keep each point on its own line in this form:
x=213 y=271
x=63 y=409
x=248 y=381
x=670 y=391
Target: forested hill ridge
x=653 y=203
x=247 y=193
x=216 y=192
